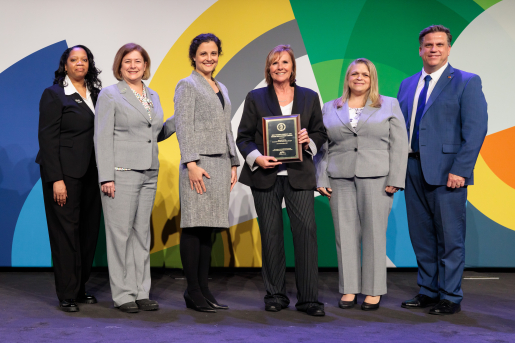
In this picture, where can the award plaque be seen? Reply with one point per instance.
(281, 139)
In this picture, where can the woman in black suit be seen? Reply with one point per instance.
(69, 174)
(272, 181)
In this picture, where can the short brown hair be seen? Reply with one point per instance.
(272, 56)
(435, 28)
(124, 50)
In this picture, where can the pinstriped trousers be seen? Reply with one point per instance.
(300, 205)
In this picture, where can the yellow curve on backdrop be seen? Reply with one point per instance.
(237, 23)
(491, 196)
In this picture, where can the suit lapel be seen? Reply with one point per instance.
(82, 104)
(343, 115)
(298, 101)
(444, 80)
(366, 114)
(152, 96)
(273, 103)
(127, 94)
(412, 88)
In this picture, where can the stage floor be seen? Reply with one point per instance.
(29, 313)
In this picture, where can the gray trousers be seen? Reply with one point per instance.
(127, 224)
(360, 209)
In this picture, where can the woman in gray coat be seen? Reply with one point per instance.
(208, 166)
(360, 168)
(128, 125)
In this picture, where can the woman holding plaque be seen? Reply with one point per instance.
(359, 169)
(272, 181)
(208, 166)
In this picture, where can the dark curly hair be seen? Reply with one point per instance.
(92, 81)
(203, 38)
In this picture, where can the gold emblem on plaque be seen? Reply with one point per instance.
(281, 127)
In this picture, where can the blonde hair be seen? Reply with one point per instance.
(373, 92)
(124, 50)
(274, 55)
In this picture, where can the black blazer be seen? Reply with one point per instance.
(263, 102)
(66, 127)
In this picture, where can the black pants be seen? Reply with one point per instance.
(73, 231)
(300, 205)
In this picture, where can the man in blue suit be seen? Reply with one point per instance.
(446, 116)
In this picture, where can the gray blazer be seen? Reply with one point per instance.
(125, 137)
(203, 126)
(377, 147)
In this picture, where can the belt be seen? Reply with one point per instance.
(414, 155)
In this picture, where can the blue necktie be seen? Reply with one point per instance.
(420, 109)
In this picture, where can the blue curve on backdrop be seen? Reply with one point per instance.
(22, 85)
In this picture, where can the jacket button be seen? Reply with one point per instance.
(149, 125)
(149, 141)
(355, 149)
(355, 135)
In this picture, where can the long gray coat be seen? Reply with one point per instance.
(378, 146)
(205, 135)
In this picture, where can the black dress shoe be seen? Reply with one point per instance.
(216, 305)
(371, 307)
(420, 301)
(348, 304)
(68, 305)
(316, 310)
(191, 304)
(147, 305)
(130, 307)
(445, 307)
(274, 307)
(86, 299)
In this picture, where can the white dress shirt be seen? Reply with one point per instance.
(432, 83)
(251, 158)
(70, 89)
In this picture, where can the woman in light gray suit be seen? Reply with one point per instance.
(208, 166)
(359, 169)
(128, 125)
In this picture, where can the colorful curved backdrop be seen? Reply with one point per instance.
(326, 36)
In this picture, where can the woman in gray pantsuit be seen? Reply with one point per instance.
(359, 169)
(208, 166)
(128, 125)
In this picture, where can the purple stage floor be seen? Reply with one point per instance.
(29, 313)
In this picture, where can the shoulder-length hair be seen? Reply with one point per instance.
(92, 81)
(373, 92)
(273, 55)
(124, 50)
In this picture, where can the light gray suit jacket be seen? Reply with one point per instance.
(125, 137)
(203, 126)
(377, 147)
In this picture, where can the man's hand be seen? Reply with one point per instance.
(455, 181)
(325, 191)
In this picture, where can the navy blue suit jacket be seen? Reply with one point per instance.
(453, 125)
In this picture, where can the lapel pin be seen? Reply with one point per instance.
(449, 76)
(78, 101)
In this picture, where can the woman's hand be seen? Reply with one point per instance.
(325, 191)
(60, 193)
(108, 188)
(304, 139)
(391, 189)
(196, 177)
(267, 162)
(234, 176)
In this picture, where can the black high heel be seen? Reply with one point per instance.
(348, 304)
(216, 305)
(191, 304)
(371, 307)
